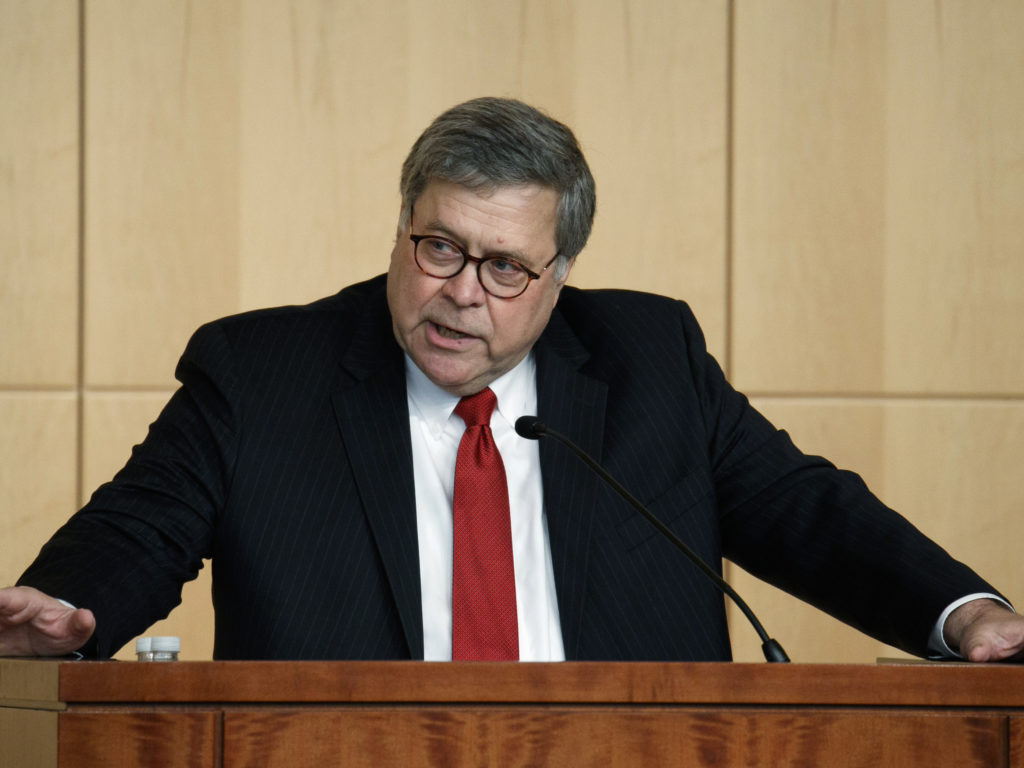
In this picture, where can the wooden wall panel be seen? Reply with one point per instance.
(953, 468)
(323, 94)
(334, 95)
(113, 422)
(877, 193)
(38, 455)
(651, 102)
(259, 162)
(38, 193)
(954, 247)
(809, 208)
(950, 467)
(876, 186)
(161, 182)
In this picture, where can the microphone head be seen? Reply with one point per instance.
(530, 427)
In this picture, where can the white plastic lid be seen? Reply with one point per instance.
(166, 644)
(143, 644)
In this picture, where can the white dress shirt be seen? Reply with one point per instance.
(436, 432)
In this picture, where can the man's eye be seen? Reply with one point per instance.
(504, 266)
(442, 247)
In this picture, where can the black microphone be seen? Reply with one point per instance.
(533, 428)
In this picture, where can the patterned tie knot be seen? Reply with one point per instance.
(476, 409)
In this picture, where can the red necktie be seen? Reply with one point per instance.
(484, 623)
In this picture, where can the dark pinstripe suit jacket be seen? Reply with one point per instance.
(285, 457)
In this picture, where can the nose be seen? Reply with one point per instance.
(464, 288)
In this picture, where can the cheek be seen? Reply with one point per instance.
(519, 327)
(407, 296)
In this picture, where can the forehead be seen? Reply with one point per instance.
(522, 213)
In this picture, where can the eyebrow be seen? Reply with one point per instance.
(438, 226)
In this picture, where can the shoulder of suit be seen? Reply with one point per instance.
(616, 305)
(322, 329)
(351, 301)
(615, 328)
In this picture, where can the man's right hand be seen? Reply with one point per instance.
(35, 624)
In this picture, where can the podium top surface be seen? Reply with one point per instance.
(53, 682)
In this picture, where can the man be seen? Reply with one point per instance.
(315, 454)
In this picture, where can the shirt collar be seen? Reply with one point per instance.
(515, 390)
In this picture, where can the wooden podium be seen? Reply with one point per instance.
(240, 714)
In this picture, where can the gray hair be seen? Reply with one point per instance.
(488, 143)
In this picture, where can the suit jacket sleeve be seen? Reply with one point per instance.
(126, 554)
(817, 531)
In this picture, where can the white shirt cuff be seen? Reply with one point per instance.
(937, 647)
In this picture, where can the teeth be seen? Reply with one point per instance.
(448, 333)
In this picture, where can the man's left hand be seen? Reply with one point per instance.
(984, 630)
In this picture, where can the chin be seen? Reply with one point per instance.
(458, 387)
(450, 381)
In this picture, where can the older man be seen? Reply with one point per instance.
(352, 469)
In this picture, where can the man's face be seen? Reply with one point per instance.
(459, 335)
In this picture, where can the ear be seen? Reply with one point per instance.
(403, 221)
(565, 276)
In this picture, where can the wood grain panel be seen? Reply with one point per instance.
(649, 103)
(324, 95)
(921, 685)
(954, 285)
(38, 193)
(31, 685)
(809, 112)
(132, 739)
(28, 738)
(877, 189)
(473, 736)
(258, 163)
(1016, 728)
(112, 423)
(162, 131)
(948, 466)
(320, 177)
(37, 474)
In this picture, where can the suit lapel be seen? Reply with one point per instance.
(573, 403)
(373, 416)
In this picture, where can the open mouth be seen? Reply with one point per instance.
(450, 333)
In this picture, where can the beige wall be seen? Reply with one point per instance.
(836, 188)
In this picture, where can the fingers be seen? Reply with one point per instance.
(68, 633)
(35, 624)
(81, 625)
(19, 604)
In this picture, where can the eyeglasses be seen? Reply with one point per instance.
(500, 276)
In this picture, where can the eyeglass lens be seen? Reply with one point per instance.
(499, 276)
